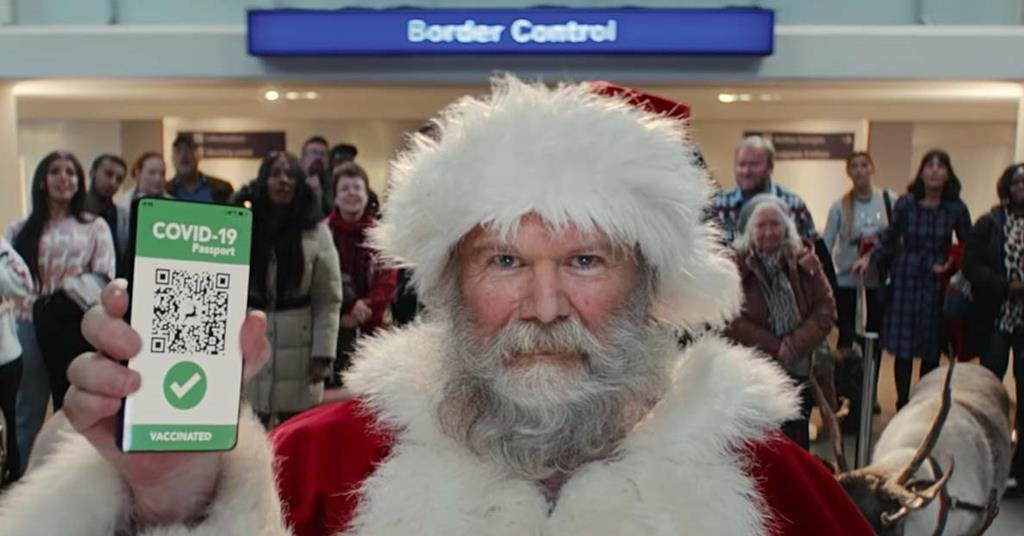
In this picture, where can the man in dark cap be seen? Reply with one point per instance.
(190, 183)
(341, 153)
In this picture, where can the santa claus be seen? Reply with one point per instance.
(557, 241)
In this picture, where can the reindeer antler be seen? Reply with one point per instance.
(911, 500)
(831, 420)
(928, 443)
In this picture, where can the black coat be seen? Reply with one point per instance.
(984, 265)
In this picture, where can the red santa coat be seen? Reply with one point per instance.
(706, 460)
(341, 466)
(319, 482)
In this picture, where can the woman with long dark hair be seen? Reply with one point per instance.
(994, 264)
(916, 248)
(60, 243)
(294, 277)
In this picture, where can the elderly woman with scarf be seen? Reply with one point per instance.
(788, 308)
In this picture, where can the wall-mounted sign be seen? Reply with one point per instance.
(809, 146)
(237, 144)
(289, 32)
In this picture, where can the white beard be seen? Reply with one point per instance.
(542, 419)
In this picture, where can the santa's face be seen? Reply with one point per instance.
(554, 355)
(544, 277)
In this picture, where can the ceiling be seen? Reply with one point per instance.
(740, 101)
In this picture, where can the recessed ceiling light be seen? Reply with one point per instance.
(271, 95)
(745, 97)
(726, 97)
(291, 95)
(311, 95)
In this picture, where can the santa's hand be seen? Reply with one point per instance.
(167, 487)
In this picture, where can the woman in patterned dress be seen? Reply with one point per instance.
(915, 246)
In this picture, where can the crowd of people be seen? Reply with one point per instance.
(311, 271)
(521, 276)
(898, 248)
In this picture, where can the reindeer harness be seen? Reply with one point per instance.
(948, 502)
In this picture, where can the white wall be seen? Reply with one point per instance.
(377, 141)
(891, 144)
(11, 189)
(818, 182)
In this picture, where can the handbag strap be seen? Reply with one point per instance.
(888, 206)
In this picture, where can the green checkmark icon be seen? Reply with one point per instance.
(185, 385)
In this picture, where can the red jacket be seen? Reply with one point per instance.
(324, 455)
(372, 282)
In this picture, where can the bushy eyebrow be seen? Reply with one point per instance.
(493, 246)
(490, 246)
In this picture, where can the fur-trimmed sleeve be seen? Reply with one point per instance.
(78, 492)
(802, 497)
(323, 456)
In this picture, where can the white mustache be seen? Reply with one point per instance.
(525, 338)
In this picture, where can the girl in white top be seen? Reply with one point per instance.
(58, 241)
(855, 221)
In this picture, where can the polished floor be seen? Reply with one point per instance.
(1010, 521)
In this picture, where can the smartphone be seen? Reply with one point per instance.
(188, 282)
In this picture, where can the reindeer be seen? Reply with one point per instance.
(959, 419)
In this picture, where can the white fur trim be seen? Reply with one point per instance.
(75, 488)
(78, 492)
(572, 157)
(679, 472)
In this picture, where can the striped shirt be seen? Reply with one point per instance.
(726, 205)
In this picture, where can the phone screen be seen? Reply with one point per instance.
(188, 286)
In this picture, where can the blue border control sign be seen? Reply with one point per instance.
(294, 32)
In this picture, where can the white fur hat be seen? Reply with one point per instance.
(572, 157)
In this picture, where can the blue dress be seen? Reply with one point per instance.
(917, 239)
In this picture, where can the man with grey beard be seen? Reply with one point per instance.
(544, 424)
(556, 241)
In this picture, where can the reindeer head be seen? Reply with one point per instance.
(884, 502)
(885, 499)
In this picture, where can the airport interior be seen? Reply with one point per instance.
(893, 78)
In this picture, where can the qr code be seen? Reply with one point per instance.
(190, 311)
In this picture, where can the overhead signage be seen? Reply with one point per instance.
(293, 32)
(809, 146)
(237, 144)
